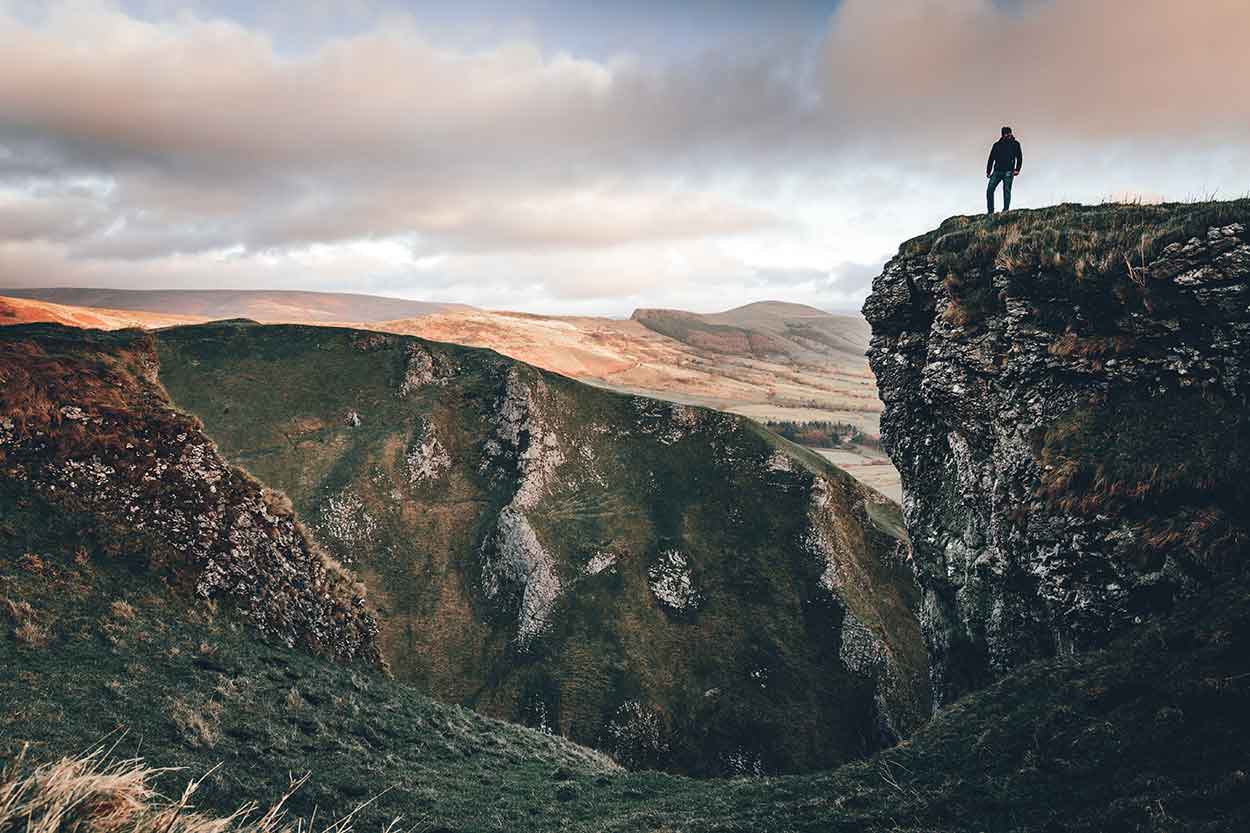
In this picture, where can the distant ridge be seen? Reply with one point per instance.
(764, 330)
(260, 305)
(29, 311)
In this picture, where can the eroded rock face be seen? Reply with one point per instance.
(673, 583)
(423, 369)
(1068, 412)
(149, 470)
(513, 558)
(427, 458)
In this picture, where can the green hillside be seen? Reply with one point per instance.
(676, 586)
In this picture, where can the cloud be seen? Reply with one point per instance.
(1072, 70)
(194, 150)
(375, 134)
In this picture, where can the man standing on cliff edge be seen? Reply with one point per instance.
(1002, 166)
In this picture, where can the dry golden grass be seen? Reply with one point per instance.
(27, 629)
(1093, 347)
(122, 610)
(93, 794)
(200, 723)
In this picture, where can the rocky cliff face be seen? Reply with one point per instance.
(1066, 398)
(85, 425)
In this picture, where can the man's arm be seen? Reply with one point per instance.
(989, 163)
(1019, 157)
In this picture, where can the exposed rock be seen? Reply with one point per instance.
(514, 558)
(742, 763)
(830, 539)
(672, 582)
(637, 735)
(827, 537)
(427, 458)
(1066, 397)
(369, 342)
(345, 519)
(780, 462)
(514, 561)
(599, 562)
(860, 650)
(423, 368)
(670, 422)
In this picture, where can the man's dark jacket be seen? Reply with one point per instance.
(1004, 156)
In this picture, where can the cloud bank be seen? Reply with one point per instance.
(192, 150)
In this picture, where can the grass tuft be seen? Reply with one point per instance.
(93, 794)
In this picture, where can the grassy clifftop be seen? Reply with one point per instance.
(1083, 269)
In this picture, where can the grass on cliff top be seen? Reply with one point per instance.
(1149, 735)
(1083, 241)
(1171, 466)
(1092, 257)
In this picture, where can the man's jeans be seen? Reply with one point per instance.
(1005, 178)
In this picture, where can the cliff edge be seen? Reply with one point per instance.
(1066, 398)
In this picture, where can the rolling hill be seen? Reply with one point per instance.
(28, 311)
(259, 305)
(767, 329)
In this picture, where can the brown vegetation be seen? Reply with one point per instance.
(198, 722)
(27, 629)
(91, 794)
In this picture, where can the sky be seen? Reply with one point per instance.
(562, 156)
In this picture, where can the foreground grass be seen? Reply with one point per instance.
(94, 792)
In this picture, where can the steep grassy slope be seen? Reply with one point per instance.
(84, 423)
(677, 586)
(97, 647)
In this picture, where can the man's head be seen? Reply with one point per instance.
(1006, 132)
